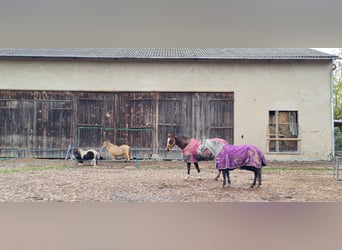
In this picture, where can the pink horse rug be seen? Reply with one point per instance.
(190, 153)
(241, 155)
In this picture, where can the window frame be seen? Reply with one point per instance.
(276, 137)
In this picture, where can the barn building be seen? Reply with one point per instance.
(277, 99)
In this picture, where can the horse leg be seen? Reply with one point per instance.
(188, 165)
(94, 160)
(255, 171)
(255, 177)
(218, 175)
(259, 177)
(228, 177)
(219, 172)
(127, 157)
(198, 170)
(224, 175)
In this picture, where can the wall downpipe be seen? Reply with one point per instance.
(332, 109)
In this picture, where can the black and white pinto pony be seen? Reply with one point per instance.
(86, 155)
(229, 157)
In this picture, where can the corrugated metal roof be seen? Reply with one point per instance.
(169, 53)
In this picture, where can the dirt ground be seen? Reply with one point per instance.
(37, 180)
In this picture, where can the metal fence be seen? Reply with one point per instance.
(139, 139)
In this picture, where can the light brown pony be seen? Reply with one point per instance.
(116, 150)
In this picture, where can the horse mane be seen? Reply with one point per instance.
(217, 146)
(179, 136)
(183, 137)
(110, 144)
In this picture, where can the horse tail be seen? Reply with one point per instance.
(263, 160)
(129, 152)
(262, 157)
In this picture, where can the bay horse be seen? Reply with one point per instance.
(189, 147)
(230, 157)
(116, 150)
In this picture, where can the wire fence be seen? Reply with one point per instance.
(141, 140)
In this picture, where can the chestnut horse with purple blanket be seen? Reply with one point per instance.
(230, 157)
(190, 152)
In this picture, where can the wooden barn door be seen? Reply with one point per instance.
(142, 123)
(35, 124)
(219, 112)
(9, 132)
(171, 112)
(44, 123)
(90, 114)
(134, 122)
(194, 115)
(48, 127)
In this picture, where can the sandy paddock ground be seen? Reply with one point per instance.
(43, 180)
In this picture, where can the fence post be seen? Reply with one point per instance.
(136, 156)
(67, 153)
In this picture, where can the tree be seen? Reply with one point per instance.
(337, 77)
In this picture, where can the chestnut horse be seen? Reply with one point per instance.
(190, 153)
(115, 150)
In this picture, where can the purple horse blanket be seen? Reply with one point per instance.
(190, 153)
(240, 155)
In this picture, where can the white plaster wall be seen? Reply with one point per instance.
(258, 87)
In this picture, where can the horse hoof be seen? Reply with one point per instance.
(187, 177)
(216, 179)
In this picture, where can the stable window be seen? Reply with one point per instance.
(283, 135)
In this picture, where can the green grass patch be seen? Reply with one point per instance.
(30, 169)
(292, 169)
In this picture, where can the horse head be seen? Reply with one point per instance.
(171, 141)
(77, 152)
(203, 146)
(104, 144)
(213, 146)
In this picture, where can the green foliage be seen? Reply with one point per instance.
(337, 77)
(337, 100)
(30, 169)
(337, 91)
(338, 141)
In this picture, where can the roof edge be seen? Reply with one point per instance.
(166, 53)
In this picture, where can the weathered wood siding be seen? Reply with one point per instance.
(43, 124)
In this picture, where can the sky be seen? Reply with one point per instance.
(169, 24)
